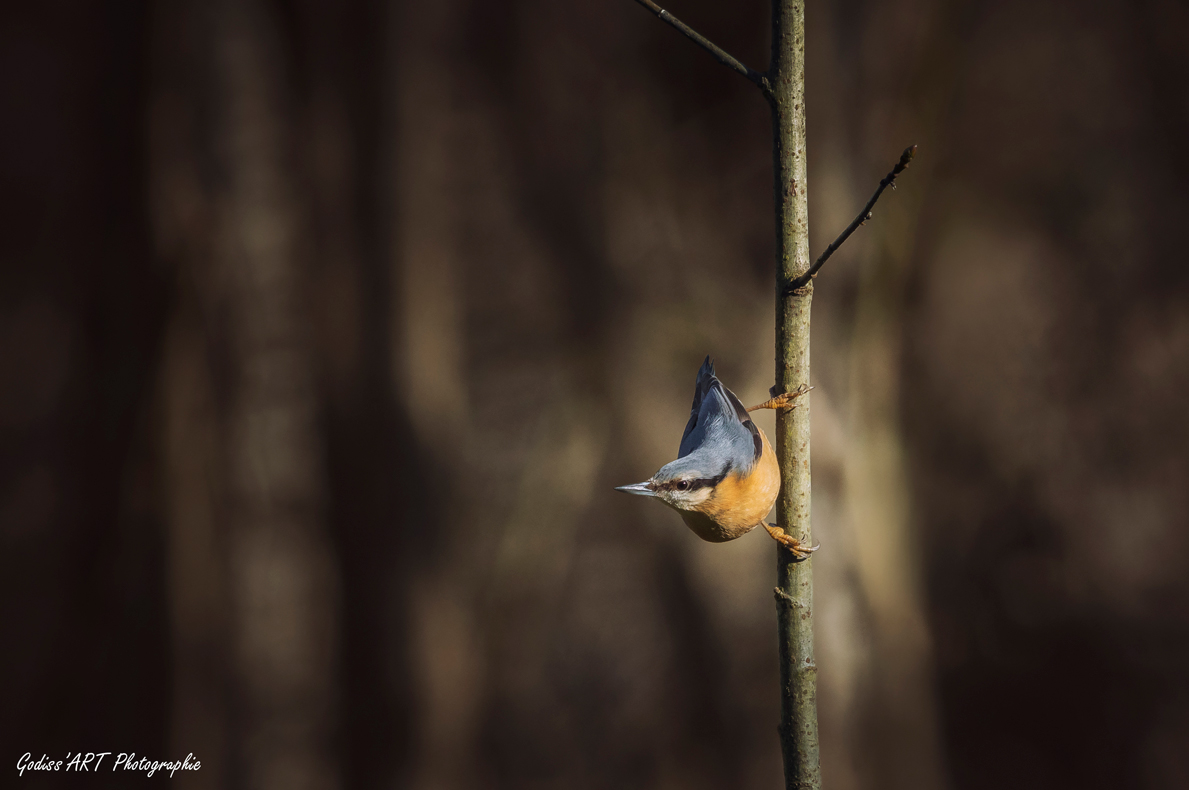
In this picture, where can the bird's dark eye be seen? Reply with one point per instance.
(682, 485)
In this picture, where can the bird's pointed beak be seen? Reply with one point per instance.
(640, 489)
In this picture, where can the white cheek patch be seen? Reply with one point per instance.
(688, 500)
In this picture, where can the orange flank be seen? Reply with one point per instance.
(739, 502)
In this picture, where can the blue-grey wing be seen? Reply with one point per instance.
(719, 423)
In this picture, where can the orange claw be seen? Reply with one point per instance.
(789, 542)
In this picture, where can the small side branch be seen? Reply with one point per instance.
(723, 57)
(888, 181)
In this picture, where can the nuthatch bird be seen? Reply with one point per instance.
(725, 478)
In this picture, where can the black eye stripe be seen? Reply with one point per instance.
(694, 485)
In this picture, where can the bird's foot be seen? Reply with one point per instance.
(795, 546)
(783, 401)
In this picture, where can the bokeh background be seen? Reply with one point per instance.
(326, 329)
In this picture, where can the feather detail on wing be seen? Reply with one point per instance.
(718, 419)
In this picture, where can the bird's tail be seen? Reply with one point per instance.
(723, 403)
(706, 380)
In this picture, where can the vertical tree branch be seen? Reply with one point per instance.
(784, 88)
(794, 593)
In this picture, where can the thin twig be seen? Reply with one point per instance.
(864, 215)
(721, 55)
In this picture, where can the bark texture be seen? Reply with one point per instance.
(794, 594)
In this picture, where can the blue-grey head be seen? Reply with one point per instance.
(719, 439)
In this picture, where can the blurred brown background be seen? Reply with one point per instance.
(327, 328)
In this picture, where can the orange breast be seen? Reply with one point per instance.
(739, 502)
